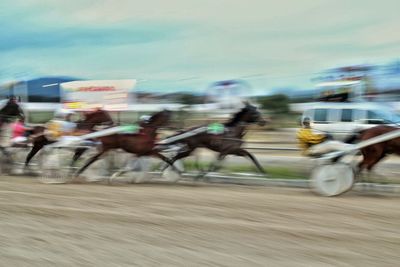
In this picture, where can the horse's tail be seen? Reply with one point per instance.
(355, 136)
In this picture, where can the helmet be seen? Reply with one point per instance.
(145, 118)
(306, 121)
(63, 113)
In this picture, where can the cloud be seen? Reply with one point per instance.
(283, 42)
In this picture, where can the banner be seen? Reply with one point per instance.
(105, 94)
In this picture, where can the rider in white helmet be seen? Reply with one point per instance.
(61, 124)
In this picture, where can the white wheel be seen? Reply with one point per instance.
(170, 174)
(55, 167)
(332, 180)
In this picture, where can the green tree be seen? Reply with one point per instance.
(278, 103)
(190, 99)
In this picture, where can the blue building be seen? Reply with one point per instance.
(40, 90)
(39, 97)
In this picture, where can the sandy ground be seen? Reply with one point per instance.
(192, 225)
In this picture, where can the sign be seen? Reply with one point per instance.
(106, 94)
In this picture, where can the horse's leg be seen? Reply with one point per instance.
(121, 172)
(35, 149)
(171, 161)
(245, 153)
(215, 166)
(90, 162)
(128, 167)
(371, 156)
(78, 153)
(178, 156)
(371, 165)
(38, 144)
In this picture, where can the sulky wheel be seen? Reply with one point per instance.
(332, 180)
(55, 166)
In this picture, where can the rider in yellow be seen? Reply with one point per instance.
(307, 137)
(60, 125)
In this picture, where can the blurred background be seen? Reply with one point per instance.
(209, 55)
(334, 61)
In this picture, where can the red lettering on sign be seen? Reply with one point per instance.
(96, 89)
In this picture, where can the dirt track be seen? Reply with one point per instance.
(192, 225)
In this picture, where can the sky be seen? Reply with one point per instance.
(187, 44)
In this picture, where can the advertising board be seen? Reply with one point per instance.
(113, 95)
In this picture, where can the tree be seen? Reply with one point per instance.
(278, 103)
(190, 99)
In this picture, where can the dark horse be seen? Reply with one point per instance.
(140, 144)
(374, 153)
(227, 142)
(91, 120)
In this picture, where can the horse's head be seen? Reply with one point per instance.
(94, 118)
(159, 119)
(251, 114)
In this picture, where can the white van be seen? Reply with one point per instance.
(341, 119)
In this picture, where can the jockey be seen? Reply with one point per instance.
(7, 115)
(61, 125)
(307, 137)
(18, 131)
(11, 110)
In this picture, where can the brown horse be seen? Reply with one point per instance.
(227, 142)
(92, 119)
(140, 144)
(374, 153)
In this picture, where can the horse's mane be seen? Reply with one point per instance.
(155, 116)
(236, 118)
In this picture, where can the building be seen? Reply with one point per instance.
(40, 90)
(42, 96)
(39, 97)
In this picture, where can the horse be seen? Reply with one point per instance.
(227, 142)
(92, 119)
(374, 153)
(141, 143)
